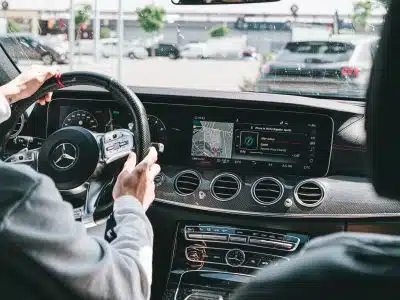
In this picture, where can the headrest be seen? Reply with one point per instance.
(383, 110)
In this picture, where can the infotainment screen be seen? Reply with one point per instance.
(282, 141)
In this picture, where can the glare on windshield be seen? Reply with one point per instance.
(303, 47)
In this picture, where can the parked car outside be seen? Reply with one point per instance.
(195, 50)
(166, 50)
(341, 64)
(22, 46)
(109, 48)
(250, 53)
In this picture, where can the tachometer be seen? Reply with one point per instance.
(81, 118)
(158, 131)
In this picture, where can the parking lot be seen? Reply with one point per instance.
(227, 75)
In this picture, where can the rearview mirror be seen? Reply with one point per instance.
(205, 2)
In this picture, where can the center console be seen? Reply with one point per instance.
(210, 261)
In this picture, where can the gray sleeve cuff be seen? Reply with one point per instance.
(128, 202)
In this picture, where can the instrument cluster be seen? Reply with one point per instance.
(102, 117)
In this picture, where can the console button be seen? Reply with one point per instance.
(215, 237)
(215, 258)
(238, 239)
(264, 263)
(268, 243)
(196, 236)
(253, 260)
(215, 255)
(192, 229)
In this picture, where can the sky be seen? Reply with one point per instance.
(283, 6)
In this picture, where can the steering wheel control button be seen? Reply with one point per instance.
(235, 257)
(117, 144)
(64, 156)
(69, 156)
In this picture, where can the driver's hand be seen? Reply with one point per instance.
(138, 181)
(27, 83)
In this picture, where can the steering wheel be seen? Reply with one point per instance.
(76, 158)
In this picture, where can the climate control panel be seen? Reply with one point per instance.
(239, 236)
(205, 252)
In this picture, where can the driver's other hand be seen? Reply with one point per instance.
(138, 181)
(27, 83)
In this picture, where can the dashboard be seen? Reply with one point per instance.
(291, 157)
(211, 137)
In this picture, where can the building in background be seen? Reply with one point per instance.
(182, 24)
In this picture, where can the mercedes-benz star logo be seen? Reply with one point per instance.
(64, 156)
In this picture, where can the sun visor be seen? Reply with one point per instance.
(383, 110)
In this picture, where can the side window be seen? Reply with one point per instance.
(365, 54)
(374, 49)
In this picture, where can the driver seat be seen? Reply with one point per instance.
(353, 265)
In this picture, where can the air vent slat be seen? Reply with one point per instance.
(187, 182)
(267, 190)
(309, 193)
(310, 188)
(225, 187)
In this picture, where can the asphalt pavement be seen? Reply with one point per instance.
(226, 75)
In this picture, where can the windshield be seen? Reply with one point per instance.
(321, 48)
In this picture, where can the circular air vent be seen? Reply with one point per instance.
(267, 190)
(187, 182)
(225, 186)
(309, 193)
(18, 127)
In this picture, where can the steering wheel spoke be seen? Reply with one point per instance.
(97, 189)
(26, 157)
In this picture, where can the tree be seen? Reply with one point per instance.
(219, 31)
(151, 18)
(361, 12)
(105, 33)
(82, 16)
(13, 26)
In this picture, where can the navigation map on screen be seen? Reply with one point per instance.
(212, 139)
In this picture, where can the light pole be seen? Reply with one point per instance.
(120, 39)
(71, 34)
(96, 30)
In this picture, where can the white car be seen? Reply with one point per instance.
(109, 48)
(195, 50)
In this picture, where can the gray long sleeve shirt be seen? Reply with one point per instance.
(34, 216)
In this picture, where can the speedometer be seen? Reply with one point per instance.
(81, 118)
(158, 131)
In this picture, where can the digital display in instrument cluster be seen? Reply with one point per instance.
(300, 144)
(97, 119)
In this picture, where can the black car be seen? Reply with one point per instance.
(22, 46)
(162, 49)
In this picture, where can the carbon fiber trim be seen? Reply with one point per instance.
(344, 197)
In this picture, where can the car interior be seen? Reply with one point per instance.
(247, 179)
